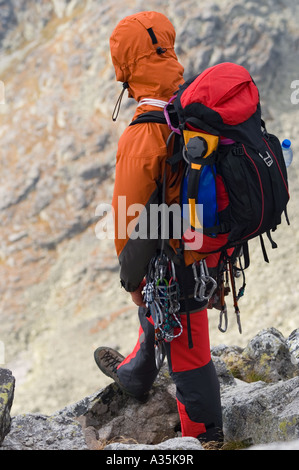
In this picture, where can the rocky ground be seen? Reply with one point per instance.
(60, 295)
(259, 388)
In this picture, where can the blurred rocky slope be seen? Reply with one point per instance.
(60, 295)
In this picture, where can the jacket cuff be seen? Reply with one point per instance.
(128, 286)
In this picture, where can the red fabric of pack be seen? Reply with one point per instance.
(226, 88)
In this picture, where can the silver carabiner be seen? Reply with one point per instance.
(202, 282)
(208, 279)
(198, 283)
(159, 356)
(223, 313)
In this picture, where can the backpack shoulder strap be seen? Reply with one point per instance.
(159, 118)
(151, 116)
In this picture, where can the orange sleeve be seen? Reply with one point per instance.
(140, 164)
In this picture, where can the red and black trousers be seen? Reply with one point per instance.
(191, 369)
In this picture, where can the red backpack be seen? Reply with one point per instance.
(233, 168)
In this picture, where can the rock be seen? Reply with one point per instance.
(91, 423)
(268, 357)
(7, 17)
(14, 237)
(39, 432)
(293, 345)
(261, 413)
(225, 376)
(20, 190)
(291, 445)
(232, 357)
(113, 415)
(180, 443)
(7, 386)
(254, 414)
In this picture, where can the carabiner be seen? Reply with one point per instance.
(223, 313)
(159, 356)
(162, 280)
(237, 312)
(202, 282)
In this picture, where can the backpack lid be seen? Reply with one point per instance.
(227, 89)
(223, 100)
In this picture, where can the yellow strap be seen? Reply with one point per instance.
(196, 166)
(194, 221)
(212, 140)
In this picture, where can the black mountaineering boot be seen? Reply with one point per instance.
(107, 359)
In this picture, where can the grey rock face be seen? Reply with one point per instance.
(268, 357)
(7, 385)
(38, 432)
(8, 19)
(259, 412)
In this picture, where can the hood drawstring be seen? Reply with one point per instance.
(118, 103)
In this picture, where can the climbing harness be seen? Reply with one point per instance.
(161, 296)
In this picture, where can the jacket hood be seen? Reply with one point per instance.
(142, 52)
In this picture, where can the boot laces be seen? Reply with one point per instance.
(111, 361)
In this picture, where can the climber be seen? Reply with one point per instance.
(143, 55)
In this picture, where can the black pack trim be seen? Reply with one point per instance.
(152, 116)
(200, 124)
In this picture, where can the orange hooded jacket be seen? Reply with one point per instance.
(142, 51)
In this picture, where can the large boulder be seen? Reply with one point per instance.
(40, 432)
(7, 387)
(258, 412)
(268, 357)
